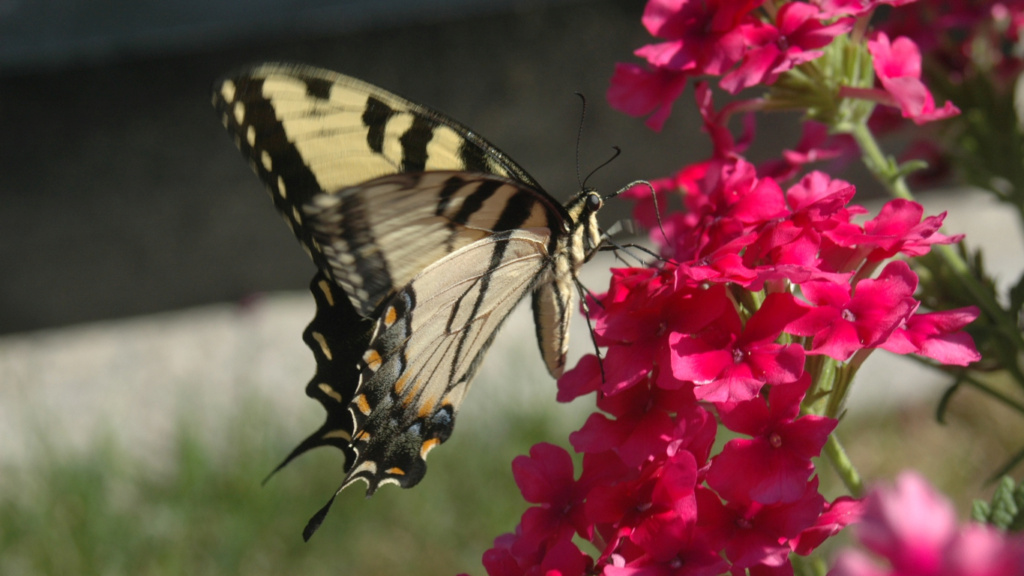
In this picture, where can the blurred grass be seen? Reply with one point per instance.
(200, 508)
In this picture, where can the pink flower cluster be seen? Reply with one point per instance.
(914, 529)
(770, 284)
(758, 277)
(747, 44)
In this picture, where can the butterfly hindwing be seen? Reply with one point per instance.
(337, 335)
(426, 348)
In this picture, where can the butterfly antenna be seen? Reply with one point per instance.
(579, 137)
(614, 155)
(584, 292)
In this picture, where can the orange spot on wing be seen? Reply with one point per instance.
(427, 446)
(399, 387)
(427, 409)
(362, 404)
(390, 316)
(372, 359)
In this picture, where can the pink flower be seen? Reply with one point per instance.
(914, 528)
(837, 515)
(796, 37)
(757, 535)
(686, 181)
(795, 248)
(730, 362)
(898, 66)
(642, 424)
(937, 335)
(773, 466)
(898, 229)
(704, 36)
(633, 319)
(842, 323)
(546, 478)
(639, 91)
(561, 559)
(655, 511)
(692, 559)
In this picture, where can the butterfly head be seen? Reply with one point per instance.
(586, 234)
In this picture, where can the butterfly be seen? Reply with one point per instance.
(425, 236)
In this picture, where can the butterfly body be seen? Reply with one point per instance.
(425, 236)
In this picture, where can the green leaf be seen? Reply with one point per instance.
(1004, 511)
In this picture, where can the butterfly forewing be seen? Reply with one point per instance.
(426, 236)
(310, 132)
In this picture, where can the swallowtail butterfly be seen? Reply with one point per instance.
(425, 235)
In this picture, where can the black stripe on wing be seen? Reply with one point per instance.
(262, 139)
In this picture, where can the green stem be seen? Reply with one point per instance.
(843, 466)
(882, 167)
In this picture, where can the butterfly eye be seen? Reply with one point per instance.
(594, 201)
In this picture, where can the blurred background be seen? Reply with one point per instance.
(152, 302)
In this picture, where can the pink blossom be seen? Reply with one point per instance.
(732, 202)
(898, 67)
(692, 559)
(546, 478)
(643, 422)
(757, 535)
(899, 228)
(655, 511)
(842, 323)
(640, 91)
(837, 515)
(937, 335)
(561, 559)
(914, 528)
(704, 36)
(730, 362)
(632, 319)
(773, 466)
(795, 39)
